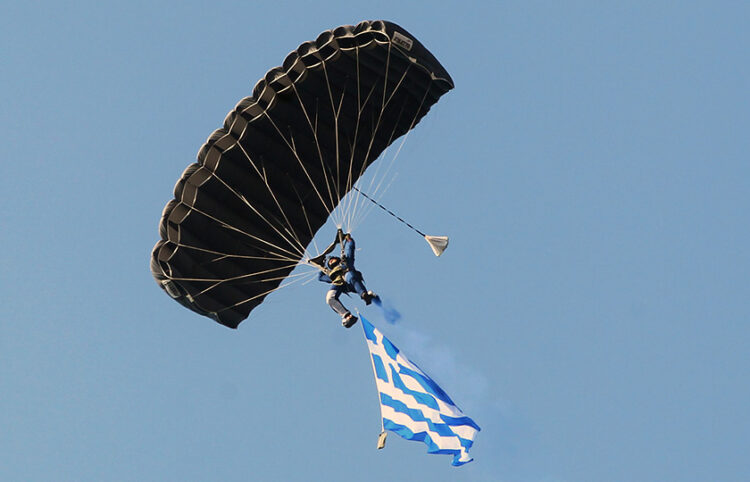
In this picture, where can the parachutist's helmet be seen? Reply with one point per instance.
(333, 261)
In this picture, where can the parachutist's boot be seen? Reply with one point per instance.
(349, 321)
(366, 297)
(369, 296)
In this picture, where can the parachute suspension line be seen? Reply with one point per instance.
(346, 204)
(245, 276)
(221, 255)
(297, 276)
(336, 112)
(260, 295)
(383, 103)
(401, 144)
(340, 213)
(389, 166)
(356, 215)
(314, 131)
(359, 215)
(298, 247)
(386, 99)
(309, 226)
(360, 108)
(226, 225)
(289, 228)
(390, 212)
(365, 208)
(264, 176)
(350, 182)
(324, 167)
(385, 81)
(292, 147)
(346, 207)
(218, 282)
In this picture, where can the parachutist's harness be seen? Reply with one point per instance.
(337, 276)
(342, 276)
(337, 273)
(323, 265)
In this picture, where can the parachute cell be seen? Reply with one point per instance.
(263, 184)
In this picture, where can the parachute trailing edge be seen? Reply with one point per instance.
(263, 184)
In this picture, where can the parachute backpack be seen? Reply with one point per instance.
(243, 215)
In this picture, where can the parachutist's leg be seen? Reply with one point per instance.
(354, 278)
(332, 298)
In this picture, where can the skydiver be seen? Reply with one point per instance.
(343, 277)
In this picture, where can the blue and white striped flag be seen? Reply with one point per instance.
(413, 405)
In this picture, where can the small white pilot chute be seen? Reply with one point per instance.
(437, 243)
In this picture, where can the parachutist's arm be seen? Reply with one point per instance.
(339, 238)
(321, 258)
(348, 248)
(323, 276)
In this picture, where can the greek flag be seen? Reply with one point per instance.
(413, 405)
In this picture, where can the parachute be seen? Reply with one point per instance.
(267, 181)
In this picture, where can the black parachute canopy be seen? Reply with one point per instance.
(265, 182)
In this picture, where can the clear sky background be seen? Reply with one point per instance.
(591, 313)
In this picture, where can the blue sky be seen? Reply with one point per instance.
(591, 314)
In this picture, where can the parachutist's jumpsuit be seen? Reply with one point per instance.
(344, 279)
